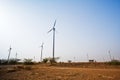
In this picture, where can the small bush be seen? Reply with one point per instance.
(3, 61)
(52, 61)
(45, 60)
(28, 61)
(12, 61)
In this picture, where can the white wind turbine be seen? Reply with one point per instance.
(53, 29)
(41, 51)
(9, 53)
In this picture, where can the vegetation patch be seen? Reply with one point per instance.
(28, 61)
(114, 62)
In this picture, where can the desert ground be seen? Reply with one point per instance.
(57, 72)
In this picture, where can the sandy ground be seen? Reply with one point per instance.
(37, 72)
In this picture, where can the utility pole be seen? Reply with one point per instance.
(9, 53)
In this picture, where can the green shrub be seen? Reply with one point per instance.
(45, 60)
(3, 61)
(12, 61)
(28, 61)
(50, 60)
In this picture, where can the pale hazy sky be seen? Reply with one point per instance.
(83, 27)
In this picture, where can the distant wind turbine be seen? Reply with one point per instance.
(110, 55)
(16, 56)
(9, 53)
(53, 29)
(41, 51)
(87, 57)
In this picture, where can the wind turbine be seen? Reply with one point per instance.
(9, 53)
(41, 51)
(87, 57)
(110, 55)
(16, 55)
(53, 29)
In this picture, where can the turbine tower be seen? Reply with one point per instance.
(53, 29)
(9, 53)
(41, 51)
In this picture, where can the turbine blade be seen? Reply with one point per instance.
(42, 43)
(54, 24)
(50, 30)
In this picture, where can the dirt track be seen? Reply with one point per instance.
(58, 73)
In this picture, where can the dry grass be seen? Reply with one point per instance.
(46, 72)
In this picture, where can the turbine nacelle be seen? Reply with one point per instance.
(42, 44)
(53, 27)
